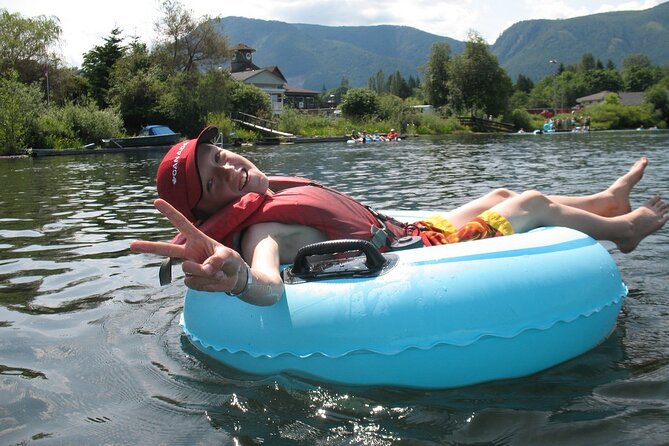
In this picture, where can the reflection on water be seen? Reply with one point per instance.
(91, 350)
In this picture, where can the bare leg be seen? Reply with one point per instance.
(608, 203)
(532, 209)
(612, 201)
(465, 213)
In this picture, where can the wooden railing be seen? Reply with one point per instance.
(262, 125)
(486, 125)
(254, 120)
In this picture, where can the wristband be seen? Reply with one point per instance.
(247, 285)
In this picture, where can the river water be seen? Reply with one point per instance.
(91, 351)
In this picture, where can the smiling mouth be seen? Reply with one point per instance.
(245, 179)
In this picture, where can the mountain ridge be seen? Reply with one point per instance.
(318, 56)
(526, 46)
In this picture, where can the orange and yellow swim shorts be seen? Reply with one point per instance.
(436, 230)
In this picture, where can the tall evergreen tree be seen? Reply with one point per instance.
(136, 87)
(98, 64)
(378, 83)
(524, 84)
(398, 86)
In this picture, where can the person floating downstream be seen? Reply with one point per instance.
(265, 226)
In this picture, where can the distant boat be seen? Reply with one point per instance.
(151, 135)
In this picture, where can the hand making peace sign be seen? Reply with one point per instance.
(208, 265)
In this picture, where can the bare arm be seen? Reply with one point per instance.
(211, 266)
(267, 246)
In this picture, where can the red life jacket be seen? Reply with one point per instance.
(295, 201)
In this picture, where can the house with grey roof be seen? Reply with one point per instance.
(270, 80)
(626, 97)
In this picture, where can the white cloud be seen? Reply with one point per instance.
(628, 6)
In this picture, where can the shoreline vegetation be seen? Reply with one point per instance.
(125, 84)
(98, 150)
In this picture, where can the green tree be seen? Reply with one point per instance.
(600, 79)
(588, 62)
(98, 63)
(519, 100)
(436, 72)
(66, 86)
(639, 73)
(136, 85)
(339, 92)
(179, 107)
(571, 84)
(27, 45)
(476, 81)
(378, 83)
(213, 91)
(360, 103)
(414, 84)
(658, 98)
(398, 86)
(524, 84)
(186, 43)
(249, 99)
(20, 105)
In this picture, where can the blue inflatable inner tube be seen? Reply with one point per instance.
(500, 308)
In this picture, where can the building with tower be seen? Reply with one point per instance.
(270, 80)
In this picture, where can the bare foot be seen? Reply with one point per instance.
(644, 221)
(619, 191)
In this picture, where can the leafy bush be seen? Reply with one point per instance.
(433, 124)
(360, 103)
(90, 124)
(250, 99)
(658, 98)
(397, 112)
(224, 124)
(19, 107)
(524, 120)
(292, 121)
(75, 125)
(52, 132)
(300, 123)
(612, 114)
(229, 132)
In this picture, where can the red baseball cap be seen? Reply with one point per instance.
(178, 178)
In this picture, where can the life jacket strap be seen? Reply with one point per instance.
(383, 237)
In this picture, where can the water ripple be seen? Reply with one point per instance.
(92, 350)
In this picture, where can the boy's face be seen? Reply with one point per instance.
(225, 176)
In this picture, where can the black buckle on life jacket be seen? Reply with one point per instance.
(384, 237)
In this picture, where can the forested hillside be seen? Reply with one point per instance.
(317, 56)
(526, 47)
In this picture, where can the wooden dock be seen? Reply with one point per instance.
(264, 126)
(486, 125)
(95, 151)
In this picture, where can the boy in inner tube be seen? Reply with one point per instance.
(197, 178)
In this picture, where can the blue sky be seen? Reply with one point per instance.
(86, 23)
